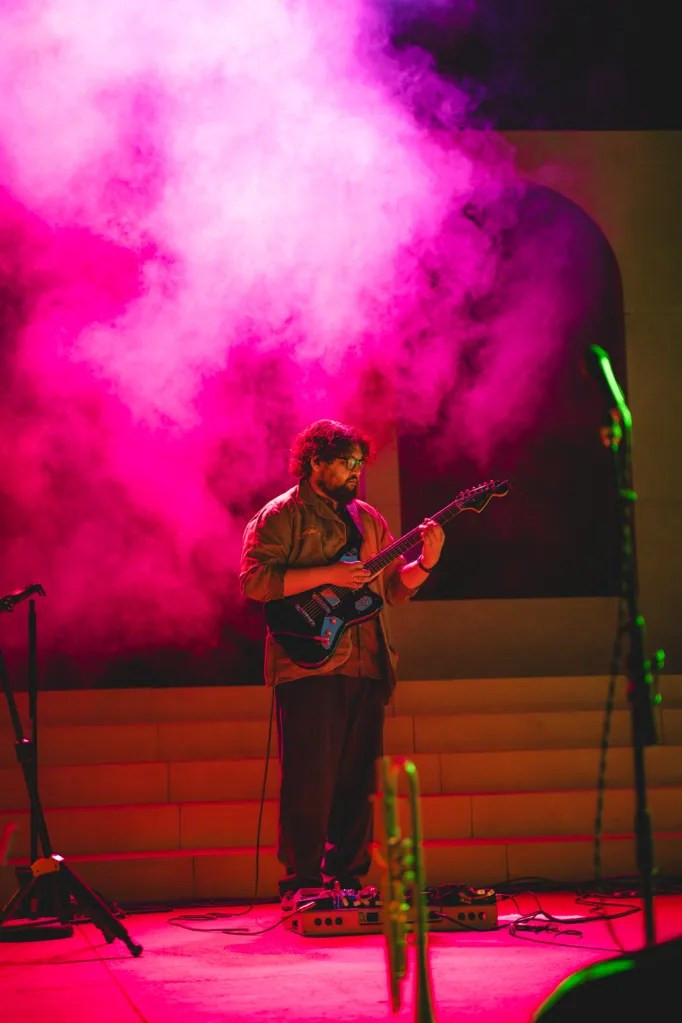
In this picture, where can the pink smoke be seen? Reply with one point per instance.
(219, 222)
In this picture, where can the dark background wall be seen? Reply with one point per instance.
(603, 65)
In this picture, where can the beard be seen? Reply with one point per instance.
(343, 493)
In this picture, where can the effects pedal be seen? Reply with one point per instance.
(319, 912)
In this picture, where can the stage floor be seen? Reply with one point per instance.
(225, 962)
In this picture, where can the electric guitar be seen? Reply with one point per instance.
(309, 625)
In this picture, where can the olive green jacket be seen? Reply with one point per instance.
(299, 529)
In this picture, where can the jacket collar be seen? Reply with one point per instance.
(322, 507)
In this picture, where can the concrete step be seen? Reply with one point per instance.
(225, 824)
(244, 778)
(155, 876)
(148, 705)
(510, 695)
(214, 739)
(146, 742)
(412, 697)
(154, 794)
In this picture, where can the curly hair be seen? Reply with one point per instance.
(326, 439)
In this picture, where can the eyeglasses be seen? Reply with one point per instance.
(352, 462)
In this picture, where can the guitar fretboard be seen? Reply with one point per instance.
(476, 498)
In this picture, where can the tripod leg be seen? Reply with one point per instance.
(20, 894)
(30, 931)
(93, 907)
(49, 894)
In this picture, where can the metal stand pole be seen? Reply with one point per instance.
(49, 881)
(641, 677)
(638, 671)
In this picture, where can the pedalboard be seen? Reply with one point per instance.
(316, 913)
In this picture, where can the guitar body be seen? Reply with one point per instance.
(309, 625)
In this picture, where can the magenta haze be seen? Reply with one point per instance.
(220, 221)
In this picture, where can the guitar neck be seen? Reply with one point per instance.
(381, 561)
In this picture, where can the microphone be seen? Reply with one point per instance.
(598, 366)
(7, 603)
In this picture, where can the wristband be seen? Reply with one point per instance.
(420, 562)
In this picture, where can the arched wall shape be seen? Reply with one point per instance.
(556, 534)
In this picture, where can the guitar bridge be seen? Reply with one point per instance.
(302, 611)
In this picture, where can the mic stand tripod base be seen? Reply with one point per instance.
(64, 891)
(35, 931)
(49, 875)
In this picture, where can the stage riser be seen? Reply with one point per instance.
(215, 874)
(174, 826)
(244, 703)
(214, 740)
(153, 794)
(191, 781)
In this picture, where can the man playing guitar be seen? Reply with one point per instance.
(328, 649)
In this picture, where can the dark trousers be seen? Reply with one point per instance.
(330, 730)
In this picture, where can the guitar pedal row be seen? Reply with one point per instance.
(328, 912)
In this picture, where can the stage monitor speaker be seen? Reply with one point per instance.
(642, 987)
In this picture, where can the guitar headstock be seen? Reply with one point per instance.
(476, 498)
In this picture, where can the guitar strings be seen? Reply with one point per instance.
(384, 558)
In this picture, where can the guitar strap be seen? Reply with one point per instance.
(351, 519)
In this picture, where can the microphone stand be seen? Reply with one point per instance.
(642, 681)
(48, 880)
